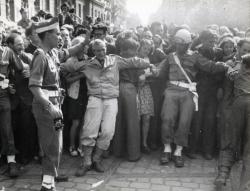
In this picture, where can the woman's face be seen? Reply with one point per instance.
(145, 50)
(244, 49)
(228, 48)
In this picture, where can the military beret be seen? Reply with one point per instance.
(47, 25)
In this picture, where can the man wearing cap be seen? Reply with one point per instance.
(24, 22)
(44, 83)
(99, 31)
(64, 17)
(181, 98)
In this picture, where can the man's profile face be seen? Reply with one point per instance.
(53, 38)
(100, 51)
(18, 46)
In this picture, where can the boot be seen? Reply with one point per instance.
(97, 159)
(13, 170)
(222, 177)
(87, 162)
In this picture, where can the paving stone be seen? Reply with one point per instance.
(118, 183)
(128, 189)
(156, 180)
(143, 180)
(172, 183)
(66, 184)
(139, 185)
(181, 189)
(190, 185)
(156, 187)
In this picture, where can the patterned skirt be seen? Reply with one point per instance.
(145, 101)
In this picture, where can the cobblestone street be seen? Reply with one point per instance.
(144, 175)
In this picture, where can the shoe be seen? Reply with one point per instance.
(61, 178)
(87, 161)
(153, 146)
(73, 152)
(191, 155)
(80, 152)
(105, 154)
(82, 170)
(179, 161)
(221, 179)
(97, 160)
(145, 150)
(47, 189)
(13, 170)
(98, 167)
(165, 158)
(208, 156)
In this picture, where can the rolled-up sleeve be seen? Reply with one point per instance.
(37, 70)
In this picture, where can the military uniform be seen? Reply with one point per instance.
(45, 74)
(237, 130)
(178, 101)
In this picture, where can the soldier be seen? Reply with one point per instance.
(180, 95)
(7, 139)
(235, 95)
(44, 83)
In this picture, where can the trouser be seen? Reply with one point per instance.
(177, 111)
(239, 123)
(204, 129)
(26, 131)
(157, 88)
(127, 131)
(6, 132)
(100, 113)
(49, 138)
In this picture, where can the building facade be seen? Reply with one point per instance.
(10, 9)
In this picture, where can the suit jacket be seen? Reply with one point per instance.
(68, 20)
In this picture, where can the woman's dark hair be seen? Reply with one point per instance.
(246, 60)
(243, 41)
(72, 10)
(11, 38)
(35, 19)
(80, 30)
(48, 16)
(126, 40)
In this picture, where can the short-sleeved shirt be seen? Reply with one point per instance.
(44, 70)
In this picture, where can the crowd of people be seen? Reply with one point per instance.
(123, 93)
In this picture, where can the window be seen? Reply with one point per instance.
(47, 7)
(79, 10)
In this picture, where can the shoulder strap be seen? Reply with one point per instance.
(177, 61)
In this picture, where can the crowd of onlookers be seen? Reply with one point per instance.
(138, 124)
